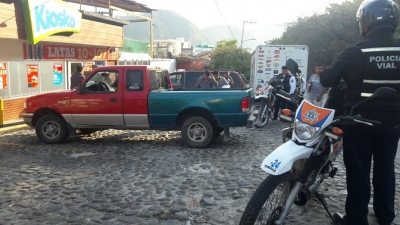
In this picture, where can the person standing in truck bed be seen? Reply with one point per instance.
(206, 81)
(220, 80)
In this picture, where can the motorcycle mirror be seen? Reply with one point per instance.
(384, 92)
(292, 66)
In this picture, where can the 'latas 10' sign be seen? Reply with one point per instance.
(46, 17)
(74, 52)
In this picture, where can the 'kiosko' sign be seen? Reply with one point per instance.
(46, 17)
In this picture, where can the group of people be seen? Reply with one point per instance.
(363, 68)
(313, 89)
(214, 80)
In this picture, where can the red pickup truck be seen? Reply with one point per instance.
(136, 98)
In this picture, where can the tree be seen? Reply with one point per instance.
(325, 34)
(228, 56)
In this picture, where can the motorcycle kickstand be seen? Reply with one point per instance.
(321, 199)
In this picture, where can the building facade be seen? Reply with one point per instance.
(43, 41)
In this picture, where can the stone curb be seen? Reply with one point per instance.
(10, 128)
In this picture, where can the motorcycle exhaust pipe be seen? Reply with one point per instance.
(302, 198)
(307, 194)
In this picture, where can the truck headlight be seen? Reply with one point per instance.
(305, 131)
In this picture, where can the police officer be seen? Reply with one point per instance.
(289, 83)
(372, 63)
(289, 86)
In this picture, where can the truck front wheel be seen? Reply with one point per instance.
(197, 132)
(51, 129)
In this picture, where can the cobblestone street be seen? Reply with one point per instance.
(146, 177)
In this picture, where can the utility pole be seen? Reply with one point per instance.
(151, 36)
(241, 41)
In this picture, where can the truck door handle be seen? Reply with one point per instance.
(113, 99)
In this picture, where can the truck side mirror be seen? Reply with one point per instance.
(81, 89)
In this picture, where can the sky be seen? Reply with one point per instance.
(270, 16)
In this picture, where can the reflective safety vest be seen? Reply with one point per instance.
(381, 69)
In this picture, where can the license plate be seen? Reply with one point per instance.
(285, 117)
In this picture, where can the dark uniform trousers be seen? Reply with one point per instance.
(361, 143)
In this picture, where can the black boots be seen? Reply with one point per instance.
(339, 219)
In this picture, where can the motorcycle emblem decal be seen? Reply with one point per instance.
(311, 115)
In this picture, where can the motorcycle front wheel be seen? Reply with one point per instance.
(267, 202)
(261, 120)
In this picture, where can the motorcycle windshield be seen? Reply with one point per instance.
(313, 115)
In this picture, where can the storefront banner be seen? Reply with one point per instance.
(47, 17)
(3, 75)
(33, 75)
(58, 74)
(74, 52)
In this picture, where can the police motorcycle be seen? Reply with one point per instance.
(298, 167)
(263, 107)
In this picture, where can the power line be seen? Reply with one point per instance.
(229, 28)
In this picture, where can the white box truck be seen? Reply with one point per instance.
(267, 61)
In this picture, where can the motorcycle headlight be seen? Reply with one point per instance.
(305, 131)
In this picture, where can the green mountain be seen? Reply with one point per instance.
(170, 25)
(167, 25)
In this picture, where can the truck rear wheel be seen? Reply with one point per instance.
(51, 129)
(197, 132)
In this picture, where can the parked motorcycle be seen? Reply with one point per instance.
(298, 167)
(263, 107)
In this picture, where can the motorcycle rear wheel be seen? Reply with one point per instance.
(261, 122)
(265, 206)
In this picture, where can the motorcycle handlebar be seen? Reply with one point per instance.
(359, 119)
(283, 93)
(286, 98)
